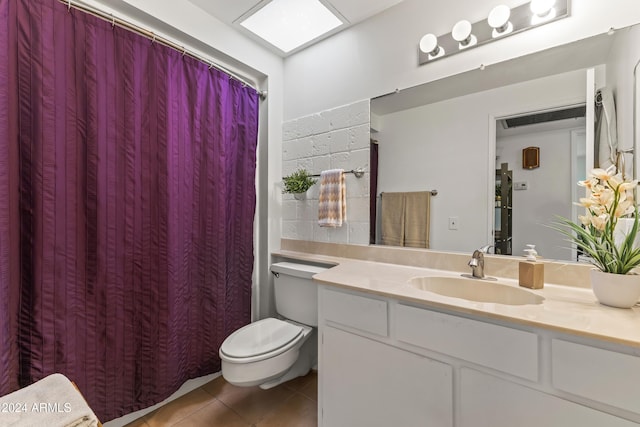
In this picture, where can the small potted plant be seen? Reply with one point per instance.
(298, 183)
(613, 252)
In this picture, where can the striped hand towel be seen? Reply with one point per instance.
(332, 204)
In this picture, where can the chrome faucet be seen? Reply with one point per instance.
(477, 262)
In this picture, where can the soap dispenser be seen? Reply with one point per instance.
(531, 272)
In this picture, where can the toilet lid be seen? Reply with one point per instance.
(260, 337)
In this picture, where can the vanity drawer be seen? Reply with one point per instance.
(363, 313)
(505, 349)
(602, 375)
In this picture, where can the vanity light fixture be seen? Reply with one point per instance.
(429, 45)
(462, 34)
(499, 21)
(502, 21)
(542, 10)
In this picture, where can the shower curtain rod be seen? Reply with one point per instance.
(158, 39)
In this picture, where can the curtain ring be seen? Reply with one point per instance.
(210, 65)
(184, 51)
(113, 21)
(153, 40)
(69, 5)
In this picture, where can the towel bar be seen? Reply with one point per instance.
(433, 193)
(359, 173)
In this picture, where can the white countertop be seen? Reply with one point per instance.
(565, 309)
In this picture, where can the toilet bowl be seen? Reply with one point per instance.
(272, 350)
(262, 351)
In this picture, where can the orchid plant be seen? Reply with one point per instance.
(610, 198)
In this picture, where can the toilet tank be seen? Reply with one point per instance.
(296, 295)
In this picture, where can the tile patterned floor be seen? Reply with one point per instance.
(218, 403)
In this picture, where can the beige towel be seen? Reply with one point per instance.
(416, 223)
(405, 219)
(53, 402)
(392, 219)
(332, 203)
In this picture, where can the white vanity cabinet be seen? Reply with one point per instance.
(360, 380)
(489, 401)
(383, 362)
(362, 385)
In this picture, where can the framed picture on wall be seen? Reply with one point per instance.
(530, 157)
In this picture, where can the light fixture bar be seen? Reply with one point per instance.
(520, 20)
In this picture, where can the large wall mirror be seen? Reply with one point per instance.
(462, 134)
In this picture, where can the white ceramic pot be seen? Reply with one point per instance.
(300, 196)
(616, 290)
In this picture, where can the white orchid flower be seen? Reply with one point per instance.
(628, 185)
(603, 175)
(610, 198)
(599, 222)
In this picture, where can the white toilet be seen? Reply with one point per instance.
(271, 351)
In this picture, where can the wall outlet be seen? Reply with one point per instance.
(453, 223)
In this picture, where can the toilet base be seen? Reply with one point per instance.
(307, 359)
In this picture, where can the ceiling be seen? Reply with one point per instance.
(354, 11)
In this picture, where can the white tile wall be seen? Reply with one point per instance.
(332, 139)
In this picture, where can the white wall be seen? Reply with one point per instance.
(379, 55)
(333, 139)
(448, 146)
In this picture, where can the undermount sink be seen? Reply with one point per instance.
(475, 290)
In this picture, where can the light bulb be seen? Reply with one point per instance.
(429, 45)
(499, 20)
(542, 10)
(462, 34)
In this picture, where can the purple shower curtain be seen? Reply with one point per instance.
(136, 190)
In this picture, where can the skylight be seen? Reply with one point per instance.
(288, 24)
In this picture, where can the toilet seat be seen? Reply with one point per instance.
(261, 340)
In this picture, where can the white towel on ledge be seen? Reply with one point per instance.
(52, 402)
(332, 203)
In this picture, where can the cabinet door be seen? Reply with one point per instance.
(597, 374)
(366, 383)
(487, 401)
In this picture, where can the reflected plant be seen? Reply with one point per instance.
(298, 182)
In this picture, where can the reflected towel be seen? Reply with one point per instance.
(416, 222)
(332, 203)
(606, 135)
(392, 218)
(53, 401)
(405, 219)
